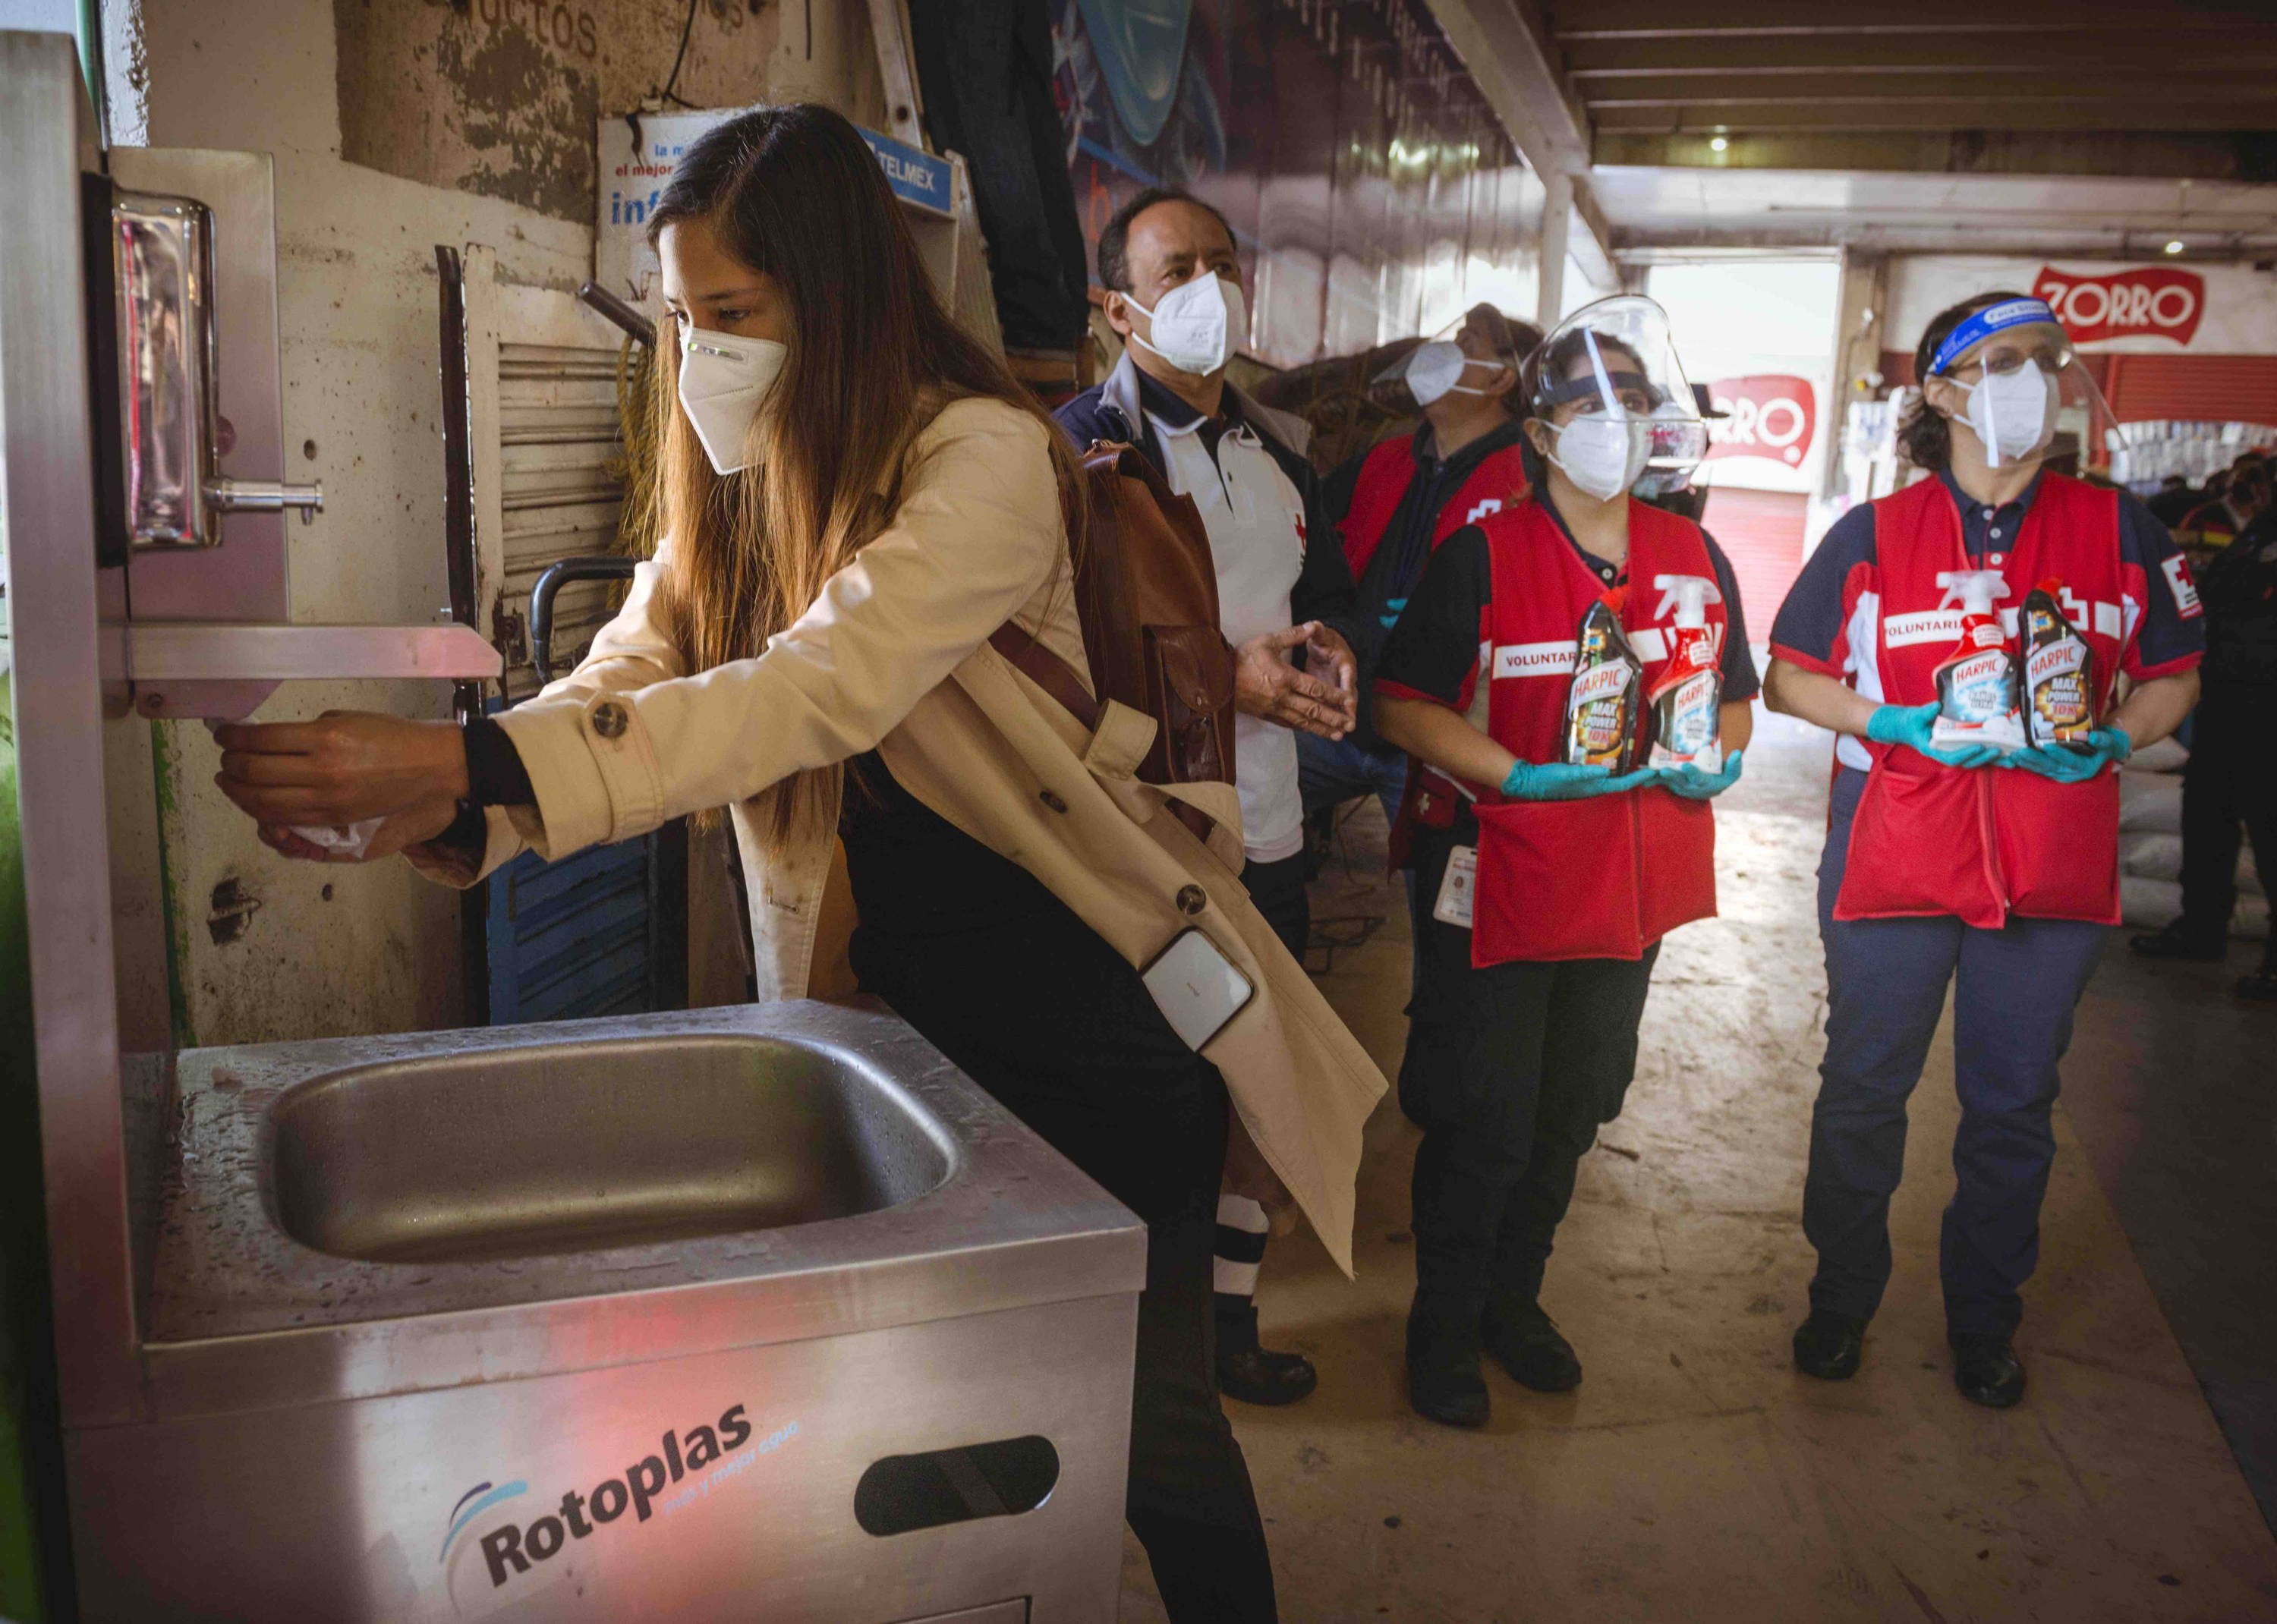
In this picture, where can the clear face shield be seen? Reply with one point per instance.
(2009, 378)
(1617, 409)
(1474, 355)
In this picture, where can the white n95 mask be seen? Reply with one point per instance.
(1603, 452)
(724, 380)
(1195, 323)
(2013, 412)
(1436, 371)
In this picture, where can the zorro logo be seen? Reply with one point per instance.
(2161, 301)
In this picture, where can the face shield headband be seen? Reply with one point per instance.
(1982, 324)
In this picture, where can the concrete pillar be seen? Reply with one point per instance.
(1557, 235)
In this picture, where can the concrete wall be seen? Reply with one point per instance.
(464, 125)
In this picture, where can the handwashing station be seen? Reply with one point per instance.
(752, 1313)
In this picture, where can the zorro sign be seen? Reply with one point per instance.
(1772, 415)
(2157, 301)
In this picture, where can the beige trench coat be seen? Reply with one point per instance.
(894, 656)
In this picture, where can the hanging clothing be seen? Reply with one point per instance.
(986, 69)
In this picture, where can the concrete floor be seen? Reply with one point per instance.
(1695, 1476)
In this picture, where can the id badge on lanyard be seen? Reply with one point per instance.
(1457, 888)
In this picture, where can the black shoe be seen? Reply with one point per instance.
(1260, 1376)
(1987, 1370)
(1829, 1346)
(2174, 941)
(1525, 1341)
(2260, 987)
(1443, 1383)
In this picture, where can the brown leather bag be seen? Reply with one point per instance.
(1146, 592)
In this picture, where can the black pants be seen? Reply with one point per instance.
(1510, 1071)
(2231, 780)
(1053, 1023)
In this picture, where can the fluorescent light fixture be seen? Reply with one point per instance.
(2174, 247)
(1720, 145)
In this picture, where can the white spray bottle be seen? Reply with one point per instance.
(1686, 701)
(1979, 693)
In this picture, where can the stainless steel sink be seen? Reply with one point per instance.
(576, 1147)
(753, 1287)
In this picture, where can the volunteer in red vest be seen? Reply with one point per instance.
(1405, 498)
(1547, 885)
(1961, 863)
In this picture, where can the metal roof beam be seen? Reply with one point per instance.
(1868, 113)
(2181, 156)
(1605, 19)
(2181, 49)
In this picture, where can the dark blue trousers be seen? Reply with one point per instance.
(2014, 990)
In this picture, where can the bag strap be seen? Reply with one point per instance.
(1046, 670)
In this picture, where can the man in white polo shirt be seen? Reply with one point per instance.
(1174, 291)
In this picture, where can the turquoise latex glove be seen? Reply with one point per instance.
(1910, 725)
(1694, 785)
(2068, 766)
(1561, 781)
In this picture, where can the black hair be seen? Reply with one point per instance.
(1925, 436)
(1115, 240)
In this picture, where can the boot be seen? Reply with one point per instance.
(1443, 1383)
(1525, 1342)
(1829, 1346)
(1986, 1370)
(1250, 1372)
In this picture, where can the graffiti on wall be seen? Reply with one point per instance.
(1373, 194)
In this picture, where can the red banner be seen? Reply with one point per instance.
(2160, 301)
(1773, 414)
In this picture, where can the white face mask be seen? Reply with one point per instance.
(1602, 453)
(1195, 324)
(1435, 369)
(724, 380)
(2013, 412)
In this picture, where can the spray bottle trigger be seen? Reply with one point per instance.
(1691, 593)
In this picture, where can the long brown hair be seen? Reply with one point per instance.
(794, 194)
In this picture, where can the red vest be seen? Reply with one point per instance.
(1602, 878)
(1983, 844)
(1499, 481)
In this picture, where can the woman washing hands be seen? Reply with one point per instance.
(857, 497)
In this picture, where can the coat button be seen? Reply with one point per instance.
(1191, 899)
(1050, 798)
(609, 720)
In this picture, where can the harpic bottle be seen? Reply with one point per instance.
(1601, 701)
(1686, 702)
(2058, 673)
(1977, 692)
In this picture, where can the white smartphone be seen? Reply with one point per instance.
(1197, 988)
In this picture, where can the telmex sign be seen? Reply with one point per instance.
(2159, 301)
(1773, 414)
